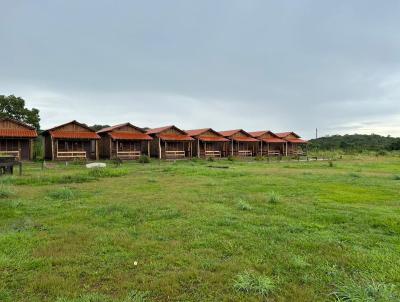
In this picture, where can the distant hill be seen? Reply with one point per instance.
(355, 142)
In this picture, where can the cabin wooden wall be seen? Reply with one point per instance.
(72, 127)
(7, 124)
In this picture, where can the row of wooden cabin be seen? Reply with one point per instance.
(125, 141)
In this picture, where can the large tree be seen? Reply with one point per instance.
(14, 107)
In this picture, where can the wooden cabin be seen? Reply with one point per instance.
(270, 144)
(294, 144)
(208, 143)
(16, 139)
(70, 141)
(170, 142)
(124, 141)
(241, 143)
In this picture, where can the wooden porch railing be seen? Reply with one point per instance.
(212, 153)
(128, 154)
(245, 153)
(271, 153)
(71, 154)
(297, 152)
(175, 154)
(16, 154)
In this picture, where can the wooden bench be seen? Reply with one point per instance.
(7, 164)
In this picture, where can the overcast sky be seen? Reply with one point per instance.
(278, 65)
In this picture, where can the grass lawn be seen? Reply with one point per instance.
(192, 231)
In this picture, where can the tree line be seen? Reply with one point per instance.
(355, 142)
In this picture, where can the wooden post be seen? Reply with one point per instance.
(286, 149)
(52, 147)
(198, 147)
(159, 148)
(110, 148)
(19, 150)
(205, 150)
(261, 143)
(191, 146)
(232, 146)
(97, 149)
(31, 143)
(148, 148)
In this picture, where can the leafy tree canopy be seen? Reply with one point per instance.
(98, 127)
(356, 142)
(14, 107)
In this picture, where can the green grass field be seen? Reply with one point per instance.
(203, 231)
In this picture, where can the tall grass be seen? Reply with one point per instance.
(6, 191)
(254, 284)
(80, 177)
(62, 194)
(274, 197)
(243, 205)
(366, 291)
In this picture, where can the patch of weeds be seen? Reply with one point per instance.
(251, 283)
(299, 262)
(78, 162)
(102, 172)
(243, 205)
(396, 177)
(62, 194)
(330, 164)
(26, 224)
(152, 180)
(274, 197)
(91, 297)
(144, 159)
(136, 296)
(259, 158)
(354, 175)
(6, 191)
(366, 291)
(231, 158)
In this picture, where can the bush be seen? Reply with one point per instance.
(259, 158)
(231, 158)
(381, 153)
(274, 197)
(330, 164)
(144, 159)
(211, 159)
(255, 284)
(396, 177)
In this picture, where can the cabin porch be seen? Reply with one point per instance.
(171, 149)
(70, 149)
(19, 148)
